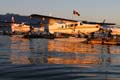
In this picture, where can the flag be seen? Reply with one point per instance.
(76, 13)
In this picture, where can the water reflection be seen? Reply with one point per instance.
(69, 47)
(19, 50)
(72, 53)
(37, 51)
(93, 61)
(25, 51)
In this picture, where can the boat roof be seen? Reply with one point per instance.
(51, 17)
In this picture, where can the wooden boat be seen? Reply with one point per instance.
(71, 39)
(95, 41)
(112, 42)
(108, 42)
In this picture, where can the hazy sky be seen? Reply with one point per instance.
(91, 10)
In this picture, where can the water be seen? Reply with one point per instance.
(43, 59)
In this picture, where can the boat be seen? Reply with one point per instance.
(107, 42)
(73, 28)
(65, 26)
(71, 39)
(22, 28)
(115, 31)
(95, 41)
(39, 35)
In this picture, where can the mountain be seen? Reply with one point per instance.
(18, 18)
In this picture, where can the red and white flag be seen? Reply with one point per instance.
(76, 13)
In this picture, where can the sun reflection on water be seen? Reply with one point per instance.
(37, 51)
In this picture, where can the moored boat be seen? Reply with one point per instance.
(71, 39)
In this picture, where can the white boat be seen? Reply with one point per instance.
(71, 39)
(66, 26)
(23, 28)
(115, 31)
(20, 28)
(15, 27)
(73, 28)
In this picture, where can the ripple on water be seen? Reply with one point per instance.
(60, 72)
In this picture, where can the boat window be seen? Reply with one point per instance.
(68, 25)
(62, 26)
(71, 25)
(76, 24)
(97, 26)
(81, 24)
(65, 26)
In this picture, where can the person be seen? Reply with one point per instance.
(92, 35)
(31, 28)
(109, 33)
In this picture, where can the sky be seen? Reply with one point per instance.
(90, 10)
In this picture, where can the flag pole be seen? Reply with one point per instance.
(72, 14)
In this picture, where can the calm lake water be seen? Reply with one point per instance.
(43, 59)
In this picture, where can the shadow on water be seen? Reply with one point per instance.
(50, 59)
